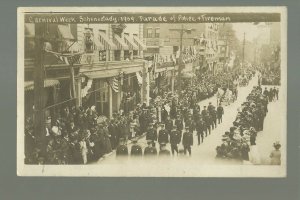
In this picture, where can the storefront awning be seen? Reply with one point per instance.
(129, 41)
(65, 32)
(139, 77)
(106, 42)
(120, 43)
(99, 45)
(140, 44)
(29, 85)
(29, 30)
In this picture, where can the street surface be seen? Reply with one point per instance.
(205, 153)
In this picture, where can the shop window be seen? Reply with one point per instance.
(126, 55)
(102, 95)
(117, 55)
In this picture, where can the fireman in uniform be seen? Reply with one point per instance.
(150, 150)
(151, 133)
(122, 150)
(136, 150)
(187, 140)
(163, 135)
(175, 138)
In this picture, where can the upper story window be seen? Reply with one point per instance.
(149, 33)
(89, 40)
(157, 32)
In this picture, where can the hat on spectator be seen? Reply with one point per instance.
(277, 145)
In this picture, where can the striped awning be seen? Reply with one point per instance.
(65, 32)
(29, 85)
(140, 44)
(106, 42)
(120, 43)
(98, 44)
(129, 41)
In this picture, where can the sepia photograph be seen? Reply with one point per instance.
(152, 91)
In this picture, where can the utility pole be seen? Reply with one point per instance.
(180, 61)
(39, 75)
(181, 31)
(243, 50)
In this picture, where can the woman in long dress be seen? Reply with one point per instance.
(276, 154)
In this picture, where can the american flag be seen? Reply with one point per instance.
(114, 84)
(69, 59)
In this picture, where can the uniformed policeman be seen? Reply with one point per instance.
(150, 150)
(151, 133)
(213, 115)
(210, 107)
(122, 149)
(200, 130)
(175, 138)
(136, 150)
(163, 136)
(169, 124)
(163, 151)
(220, 113)
(204, 112)
(179, 123)
(187, 140)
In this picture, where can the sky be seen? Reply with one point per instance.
(251, 30)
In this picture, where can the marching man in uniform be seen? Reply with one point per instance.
(163, 136)
(151, 133)
(122, 150)
(175, 138)
(220, 113)
(187, 140)
(136, 150)
(150, 150)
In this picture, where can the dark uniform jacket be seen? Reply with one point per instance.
(187, 139)
(179, 124)
(220, 111)
(200, 126)
(151, 134)
(163, 136)
(122, 150)
(204, 113)
(175, 137)
(136, 150)
(150, 151)
(169, 124)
